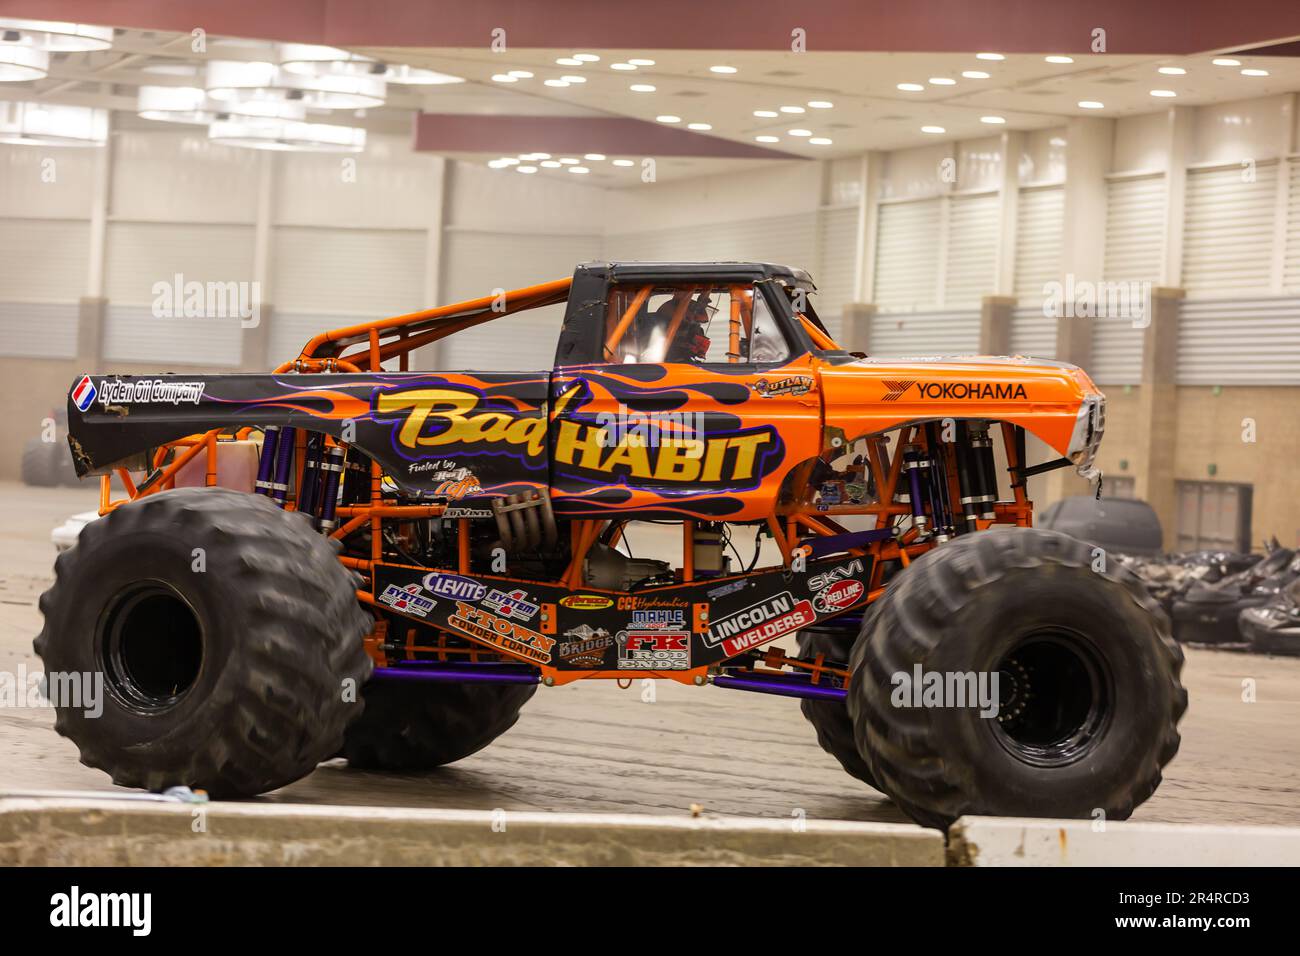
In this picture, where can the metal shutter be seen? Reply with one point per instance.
(1291, 267)
(907, 254)
(1040, 222)
(1228, 231)
(139, 254)
(970, 257)
(329, 278)
(43, 265)
(1239, 342)
(1032, 333)
(1135, 229)
(1116, 357)
(924, 333)
(833, 268)
(476, 263)
(38, 329)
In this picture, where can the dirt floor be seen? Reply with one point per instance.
(594, 746)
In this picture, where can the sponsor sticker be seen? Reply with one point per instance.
(585, 647)
(761, 622)
(454, 587)
(838, 573)
(407, 599)
(723, 590)
(839, 596)
(149, 391)
(586, 602)
(654, 650)
(793, 385)
(83, 393)
(509, 636)
(511, 604)
(467, 513)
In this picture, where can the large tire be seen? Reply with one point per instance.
(40, 466)
(232, 680)
(418, 725)
(830, 718)
(1090, 696)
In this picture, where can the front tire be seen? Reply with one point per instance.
(1088, 677)
(830, 718)
(225, 637)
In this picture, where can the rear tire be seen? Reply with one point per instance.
(230, 675)
(40, 466)
(830, 718)
(418, 725)
(1090, 696)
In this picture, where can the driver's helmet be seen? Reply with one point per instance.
(690, 343)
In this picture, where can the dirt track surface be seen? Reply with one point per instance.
(593, 746)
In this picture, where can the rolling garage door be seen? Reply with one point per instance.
(1291, 262)
(1228, 231)
(1039, 234)
(42, 275)
(1135, 217)
(906, 269)
(1239, 342)
(924, 333)
(1032, 333)
(970, 253)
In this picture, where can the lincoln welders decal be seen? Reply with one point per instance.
(956, 391)
(761, 622)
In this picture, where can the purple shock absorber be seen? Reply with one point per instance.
(331, 470)
(266, 461)
(912, 464)
(283, 461)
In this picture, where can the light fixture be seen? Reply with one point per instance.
(668, 118)
(1058, 58)
(579, 170)
(586, 57)
(574, 79)
(975, 74)
(989, 56)
(1171, 70)
(1225, 61)
(624, 162)
(641, 88)
(526, 169)
(498, 164)
(1165, 93)
(933, 129)
(1091, 105)
(19, 62)
(594, 157)
(800, 132)
(539, 155)
(911, 87)
(820, 141)
(232, 79)
(766, 114)
(993, 120)
(287, 136)
(1254, 72)
(722, 69)
(55, 36)
(52, 124)
(561, 83)
(550, 164)
(568, 161)
(622, 66)
(569, 61)
(504, 78)
(636, 62)
(520, 74)
(820, 104)
(768, 139)
(312, 59)
(943, 81)
(792, 109)
(404, 75)
(174, 104)
(699, 127)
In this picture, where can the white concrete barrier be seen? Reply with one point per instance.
(1017, 841)
(86, 831)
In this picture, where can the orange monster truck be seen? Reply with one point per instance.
(348, 557)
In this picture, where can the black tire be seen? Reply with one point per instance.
(231, 680)
(418, 725)
(40, 466)
(830, 718)
(1089, 717)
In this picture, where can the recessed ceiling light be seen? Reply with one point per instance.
(765, 114)
(698, 126)
(504, 78)
(768, 139)
(520, 74)
(820, 104)
(1091, 105)
(993, 120)
(989, 56)
(641, 88)
(800, 132)
(556, 82)
(722, 69)
(550, 164)
(933, 129)
(1171, 70)
(587, 57)
(580, 170)
(820, 141)
(594, 157)
(509, 160)
(1254, 72)
(574, 79)
(668, 118)
(1163, 93)
(975, 74)
(911, 87)
(525, 169)
(623, 162)
(943, 81)
(568, 61)
(568, 161)
(792, 109)
(642, 62)
(497, 164)
(1057, 58)
(622, 66)
(1225, 61)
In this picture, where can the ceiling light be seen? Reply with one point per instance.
(504, 78)
(550, 164)
(975, 74)
(498, 164)
(911, 87)
(556, 83)
(800, 132)
(792, 109)
(405, 75)
(287, 136)
(1254, 72)
(722, 69)
(52, 124)
(19, 63)
(993, 120)
(586, 57)
(520, 74)
(701, 127)
(1225, 61)
(820, 104)
(1091, 105)
(541, 155)
(768, 139)
(509, 160)
(230, 79)
(642, 62)
(933, 129)
(621, 66)
(989, 56)
(820, 141)
(594, 157)
(943, 81)
(174, 104)
(568, 161)
(766, 114)
(668, 118)
(1163, 93)
(526, 169)
(623, 162)
(1171, 70)
(569, 61)
(641, 88)
(1057, 58)
(60, 37)
(574, 79)
(268, 104)
(311, 58)
(580, 170)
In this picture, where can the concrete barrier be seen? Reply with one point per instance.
(106, 832)
(1014, 841)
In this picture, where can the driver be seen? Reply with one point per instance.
(690, 344)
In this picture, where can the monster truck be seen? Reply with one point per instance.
(350, 557)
